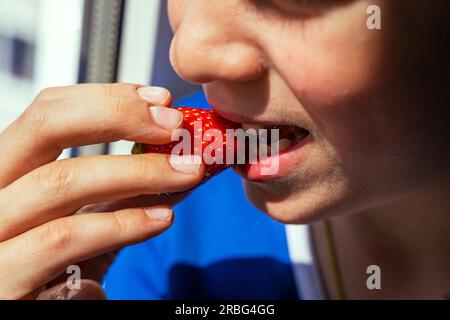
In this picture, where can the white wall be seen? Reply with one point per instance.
(54, 26)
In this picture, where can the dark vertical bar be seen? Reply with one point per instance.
(99, 58)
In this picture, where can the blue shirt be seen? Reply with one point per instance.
(220, 247)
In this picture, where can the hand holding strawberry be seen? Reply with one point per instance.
(198, 122)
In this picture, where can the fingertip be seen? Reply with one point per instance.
(187, 164)
(161, 213)
(166, 118)
(155, 95)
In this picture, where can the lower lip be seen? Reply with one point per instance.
(276, 166)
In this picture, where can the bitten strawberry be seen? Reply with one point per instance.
(198, 123)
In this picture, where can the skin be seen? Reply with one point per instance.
(80, 211)
(375, 103)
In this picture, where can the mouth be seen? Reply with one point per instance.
(290, 150)
(288, 137)
(282, 155)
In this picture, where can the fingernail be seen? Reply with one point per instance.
(159, 213)
(153, 95)
(186, 164)
(166, 118)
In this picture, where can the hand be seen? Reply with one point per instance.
(59, 213)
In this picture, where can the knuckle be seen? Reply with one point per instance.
(108, 90)
(141, 166)
(118, 89)
(129, 224)
(124, 112)
(57, 235)
(56, 179)
(47, 93)
(37, 118)
(118, 108)
(155, 173)
(123, 87)
(119, 225)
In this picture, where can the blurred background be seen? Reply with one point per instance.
(46, 43)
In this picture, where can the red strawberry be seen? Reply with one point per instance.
(209, 120)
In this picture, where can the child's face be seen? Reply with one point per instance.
(374, 101)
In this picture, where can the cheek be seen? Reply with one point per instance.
(335, 67)
(332, 57)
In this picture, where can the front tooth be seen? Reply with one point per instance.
(255, 126)
(264, 149)
(284, 144)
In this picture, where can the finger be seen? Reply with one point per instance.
(93, 269)
(136, 202)
(89, 290)
(153, 95)
(50, 126)
(39, 255)
(61, 188)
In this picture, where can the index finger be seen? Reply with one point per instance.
(79, 116)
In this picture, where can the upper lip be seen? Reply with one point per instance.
(242, 119)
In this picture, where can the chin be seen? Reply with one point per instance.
(288, 204)
(286, 207)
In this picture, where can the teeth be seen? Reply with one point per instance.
(255, 126)
(284, 144)
(264, 149)
(295, 136)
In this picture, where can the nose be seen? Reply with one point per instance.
(211, 44)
